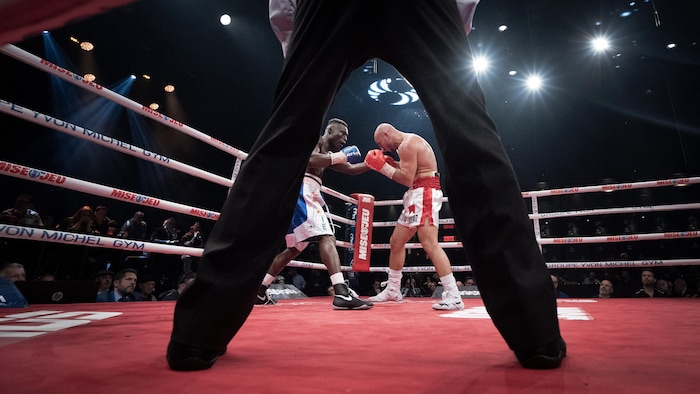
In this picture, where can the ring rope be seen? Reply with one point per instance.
(606, 211)
(107, 141)
(613, 187)
(75, 79)
(63, 237)
(49, 178)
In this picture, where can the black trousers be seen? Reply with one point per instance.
(425, 41)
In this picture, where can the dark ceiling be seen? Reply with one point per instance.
(629, 114)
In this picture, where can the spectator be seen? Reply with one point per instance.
(605, 289)
(664, 286)
(183, 283)
(103, 224)
(627, 285)
(298, 279)
(648, 289)
(105, 277)
(82, 221)
(167, 233)
(430, 287)
(410, 289)
(134, 228)
(591, 279)
(123, 285)
(147, 286)
(22, 213)
(46, 277)
(13, 271)
(559, 293)
(680, 289)
(192, 238)
(376, 287)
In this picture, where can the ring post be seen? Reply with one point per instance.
(363, 231)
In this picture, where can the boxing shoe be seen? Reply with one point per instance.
(185, 358)
(388, 294)
(350, 302)
(262, 298)
(548, 356)
(451, 301)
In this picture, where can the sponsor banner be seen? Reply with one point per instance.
(363, 231)
(278, 291)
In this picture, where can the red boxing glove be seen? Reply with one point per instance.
(376, 160)
(390, 161)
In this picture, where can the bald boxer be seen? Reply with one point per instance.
(422, 202)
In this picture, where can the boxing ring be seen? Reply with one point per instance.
(361, 226)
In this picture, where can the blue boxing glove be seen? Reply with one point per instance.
(350, 154)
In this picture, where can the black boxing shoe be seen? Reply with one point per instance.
(185, 358)
(548, 356)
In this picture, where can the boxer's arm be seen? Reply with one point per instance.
(350, 169)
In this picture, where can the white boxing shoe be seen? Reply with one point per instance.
(451, 301)
(388, 294)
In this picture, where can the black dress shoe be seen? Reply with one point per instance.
(548, 356)
(185, 358)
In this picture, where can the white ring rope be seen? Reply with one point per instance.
(63, 237)
(612, 187)
(49, 178)
(107, 141)
(606, 211)
(44, 65)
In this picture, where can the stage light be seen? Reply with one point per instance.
(146, 76)
(534, 82)
(86, 46)
(169, 88)
(225, 19)
(154, 106)
(502, 28)
(480, 64)
(89, 77)
(600, 44)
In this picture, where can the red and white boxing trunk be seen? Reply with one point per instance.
(422, 201)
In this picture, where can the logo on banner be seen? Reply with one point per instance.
(363, 232)
(33, 324)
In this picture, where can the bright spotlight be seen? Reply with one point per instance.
(600, 44)
(87, 46)
(480, 64)
(502, 28)
(132, 76)
(225, 19)
(534, 82)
